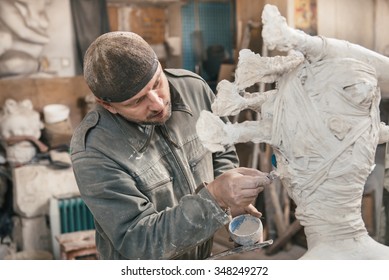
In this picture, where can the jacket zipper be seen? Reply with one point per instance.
(165, 135)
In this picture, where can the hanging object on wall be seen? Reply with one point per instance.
(148, 22)
(305, 16)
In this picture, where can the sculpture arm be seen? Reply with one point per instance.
(215, 134)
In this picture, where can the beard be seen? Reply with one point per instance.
(154, 120)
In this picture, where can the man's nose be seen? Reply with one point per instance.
(155, 102)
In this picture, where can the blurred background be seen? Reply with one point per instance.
(42, 44)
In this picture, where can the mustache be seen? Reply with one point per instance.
(156, 113)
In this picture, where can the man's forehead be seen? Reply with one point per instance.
(148, 87)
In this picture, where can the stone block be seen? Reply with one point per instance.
(32, 233)
(34, 185)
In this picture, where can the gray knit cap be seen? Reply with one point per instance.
(117, 65)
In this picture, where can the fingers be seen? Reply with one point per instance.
(251, 181)
(248, 171)
(243, 198)
(238, 187)
(249, 193)
(250, 209)
(262, 178)
(258, 181)
(253, 211)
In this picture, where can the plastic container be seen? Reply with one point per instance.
(55, 113)
(246, 230)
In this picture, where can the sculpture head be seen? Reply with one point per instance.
(326, 124)
(20, 119)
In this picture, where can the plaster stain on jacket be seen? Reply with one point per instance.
(136, 155)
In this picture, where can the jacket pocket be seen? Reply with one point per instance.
(201, 167)
(161, 194)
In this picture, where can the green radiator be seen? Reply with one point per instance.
(74, 215)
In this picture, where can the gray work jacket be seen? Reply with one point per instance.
(139, 181)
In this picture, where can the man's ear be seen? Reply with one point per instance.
(106, 105)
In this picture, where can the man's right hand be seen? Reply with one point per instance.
(238, 187)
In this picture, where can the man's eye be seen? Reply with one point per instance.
(139, 100)
(156, 85)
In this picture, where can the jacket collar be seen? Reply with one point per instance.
(177, 102)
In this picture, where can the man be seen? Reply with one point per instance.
(139, 164)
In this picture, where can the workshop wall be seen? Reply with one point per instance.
(59, 53)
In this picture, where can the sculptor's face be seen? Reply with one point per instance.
(152, 105)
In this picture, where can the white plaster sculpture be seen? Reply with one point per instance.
(23, 35)
(323, 123)
(20, 130)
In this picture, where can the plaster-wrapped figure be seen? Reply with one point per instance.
(323, 123)
(23, 35)
(20, 130)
